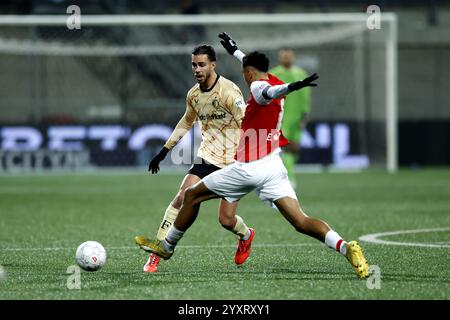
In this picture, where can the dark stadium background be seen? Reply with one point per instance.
(423, 78)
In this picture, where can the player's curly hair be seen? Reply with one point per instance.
(205, 49)
(257, 60)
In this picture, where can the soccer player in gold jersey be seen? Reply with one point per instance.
(217, 104)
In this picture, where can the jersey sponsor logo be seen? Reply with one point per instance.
(213, 116)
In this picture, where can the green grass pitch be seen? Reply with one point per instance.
(43, 219)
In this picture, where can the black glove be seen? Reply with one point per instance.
(154, 164)
(303, 83)
(228, 43)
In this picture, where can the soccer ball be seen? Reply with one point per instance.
(91, 256)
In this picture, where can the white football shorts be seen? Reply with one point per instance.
(267, 176)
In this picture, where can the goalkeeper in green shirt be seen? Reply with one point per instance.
(296, 109)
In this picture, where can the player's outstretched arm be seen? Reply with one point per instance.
(230, 45)
(277, 91)
(263, 92)
(307, 82)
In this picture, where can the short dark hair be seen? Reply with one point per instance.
(205, 49)
(257, 60)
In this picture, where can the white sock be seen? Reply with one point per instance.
(173, 236)
(334, 241)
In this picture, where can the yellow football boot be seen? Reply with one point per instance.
(153, 246)
(356, 257)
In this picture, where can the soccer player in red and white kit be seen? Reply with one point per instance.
(258, 167)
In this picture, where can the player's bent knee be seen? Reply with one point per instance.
(190, 196)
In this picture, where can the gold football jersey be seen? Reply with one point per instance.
(219, 111)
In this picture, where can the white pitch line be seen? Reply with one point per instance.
(373, 238)
(267, 245)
